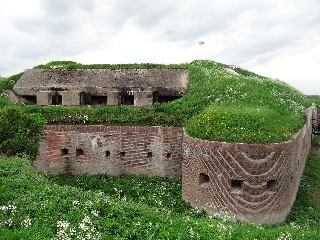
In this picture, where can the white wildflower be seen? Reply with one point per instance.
(63, 225)
(12, 208)
(95, 213)
(285, 236)
(3, 208)
(9, 222)
(26, 223)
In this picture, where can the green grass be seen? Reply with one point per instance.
(35, 206)
(307, 204)
(274, 109)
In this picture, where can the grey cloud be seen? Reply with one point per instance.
(63, 7)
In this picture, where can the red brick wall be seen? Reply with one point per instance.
(249, 182)
(114, 150)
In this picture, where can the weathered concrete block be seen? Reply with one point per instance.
(113, 98)
(143, 98)
(44, 98)
(98, 82)
(71, 98)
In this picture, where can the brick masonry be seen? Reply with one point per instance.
(114, 150)
(249, 182)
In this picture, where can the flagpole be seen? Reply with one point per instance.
(200, 43)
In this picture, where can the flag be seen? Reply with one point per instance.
(200, 43)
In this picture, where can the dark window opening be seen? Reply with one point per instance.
(149, 154)
(237, 186)
(85, 98)
(79, 152)
(107, 153)
(127, 100)
(98, 100)
(168, 154)
(64, 151)
(122, 154)
(31, 99)
(166, 99)
(271, 184)
(203, 178)
(56, 100)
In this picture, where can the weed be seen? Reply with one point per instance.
(34, 206)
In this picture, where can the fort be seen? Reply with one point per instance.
(75, 87)
(249, 182)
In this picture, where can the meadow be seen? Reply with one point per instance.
(40, 206)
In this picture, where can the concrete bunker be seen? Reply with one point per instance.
(101, 87)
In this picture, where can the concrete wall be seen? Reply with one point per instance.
(249, 182)
(78, 86)
(113, 150)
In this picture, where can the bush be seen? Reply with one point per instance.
(20, 132)
(8, 83)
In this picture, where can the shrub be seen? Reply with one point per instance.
(20, 132)
(8, 83)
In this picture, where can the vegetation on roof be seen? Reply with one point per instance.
(219, 105)
(74, 65)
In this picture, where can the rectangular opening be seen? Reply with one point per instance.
(85, 98)
(107, 154)
(31, 99)
(237, 186)
(127, 100)
(271, 185)
(149, 154)
(98, 100)
(122, 154)
(203, 179)
(166, 99)
(56, 99)
(64, 151)
(79, 152)
(168, 154)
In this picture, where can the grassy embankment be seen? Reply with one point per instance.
(35, 206)
(218, 105)
(244, 108)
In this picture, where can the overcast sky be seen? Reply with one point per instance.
(275, 38)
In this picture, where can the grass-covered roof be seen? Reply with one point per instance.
(219, 105)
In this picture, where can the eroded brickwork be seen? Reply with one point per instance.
(114, 150)
(249, 182)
